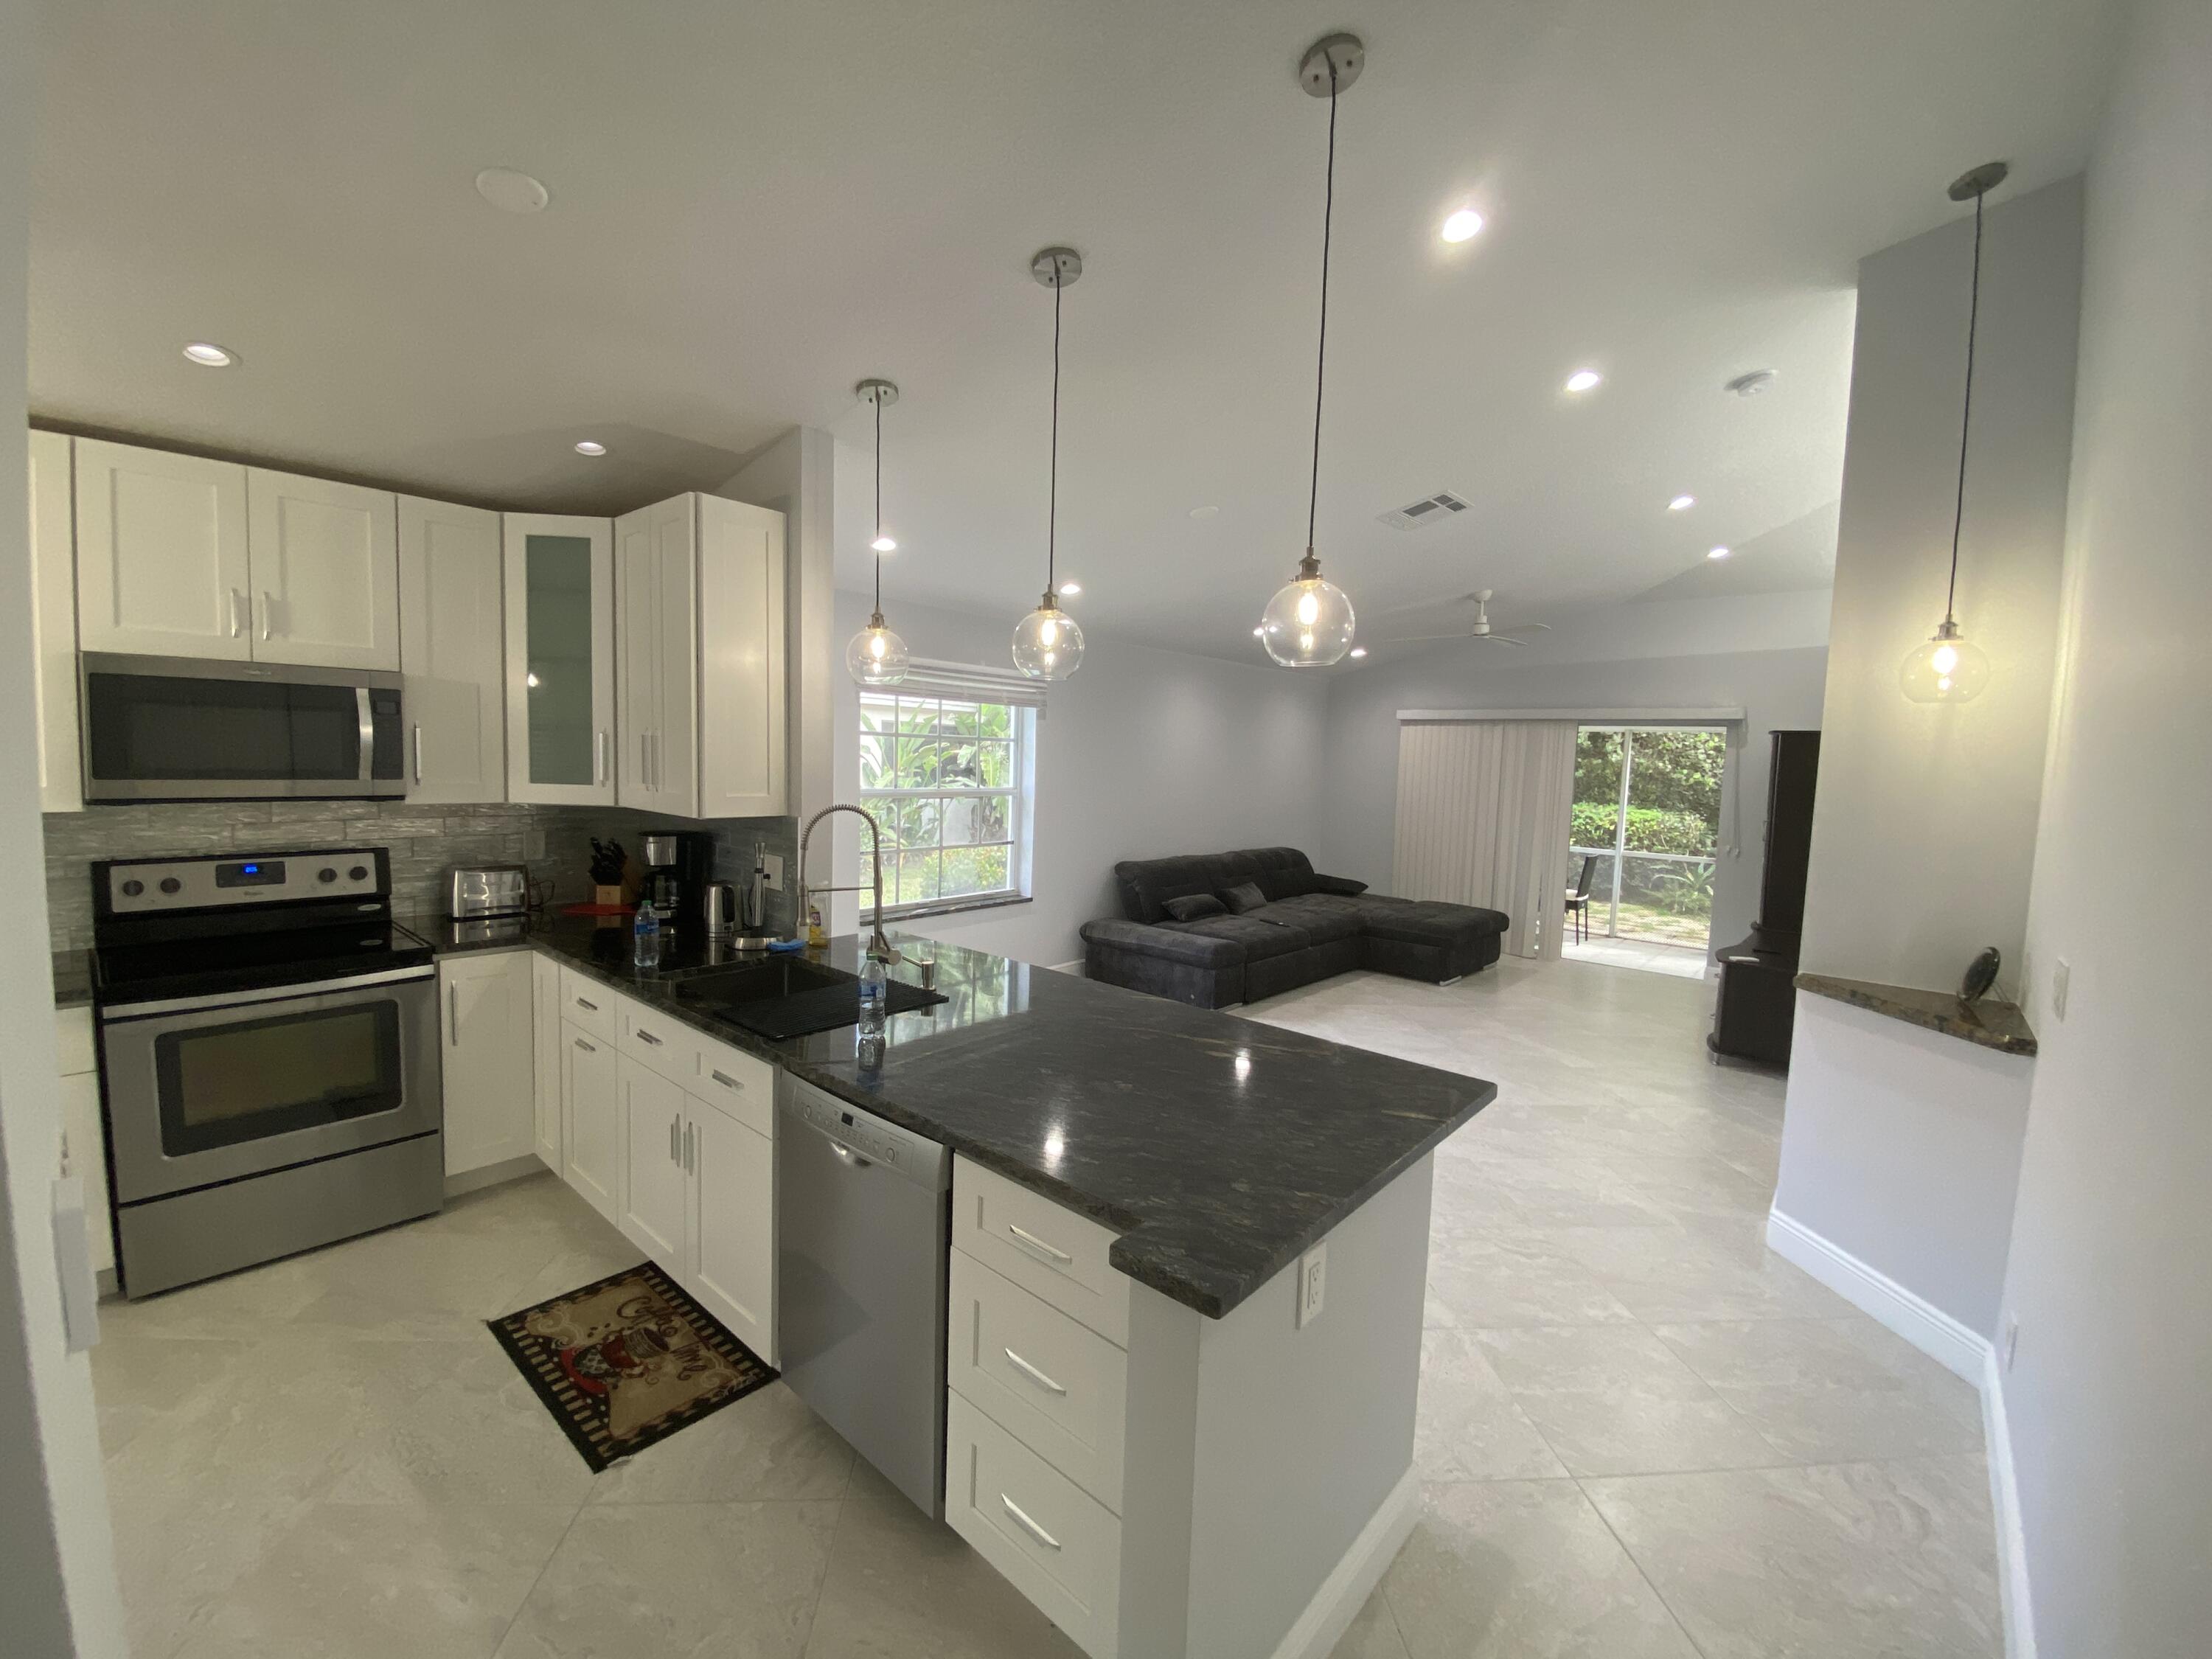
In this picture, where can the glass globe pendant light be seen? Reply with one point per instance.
(877, 656)
(1308, 622)
(1048, 645)
(1950, 667)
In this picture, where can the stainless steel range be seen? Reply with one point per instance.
(269, 1058)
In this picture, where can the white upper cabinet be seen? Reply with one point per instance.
(53, 624)
(701, 712)
(161, 554)
(325, 563)
(559, 609)
(453, 652)
(657, 681)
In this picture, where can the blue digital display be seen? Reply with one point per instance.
(256, 874)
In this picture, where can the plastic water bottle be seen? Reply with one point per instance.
(875, 994)
(645, 937)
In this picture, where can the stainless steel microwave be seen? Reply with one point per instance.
(181, 728)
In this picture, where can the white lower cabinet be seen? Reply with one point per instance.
(488, 1015)
(84, 1152)
(656, 1200)
(591, 1118)
(733, 1257)
(545, 1040)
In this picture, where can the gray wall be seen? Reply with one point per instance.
(1926, 830)
(424, 842)
(1777, 689)
(1142, 753)
(2111, 1433)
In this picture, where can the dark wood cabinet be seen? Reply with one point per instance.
(1756, 1008)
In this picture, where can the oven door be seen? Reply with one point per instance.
(174, 729)
(209, 1089)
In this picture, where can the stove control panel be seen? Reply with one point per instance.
(139, 886)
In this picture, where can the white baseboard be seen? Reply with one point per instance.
(1079, 967)
(1352, 1580)
(2004, 1503)
(1875, 1294)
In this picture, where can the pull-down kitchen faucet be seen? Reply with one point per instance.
(879, 946)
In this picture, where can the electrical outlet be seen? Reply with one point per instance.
(1313, 1279)
(2061, 976)
(2011, 1342)
(772, 867)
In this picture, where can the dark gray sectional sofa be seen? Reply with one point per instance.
(1309, 927)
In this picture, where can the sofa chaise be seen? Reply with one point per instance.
(1215, 929)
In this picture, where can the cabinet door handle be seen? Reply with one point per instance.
(237, 612)
(1028, 1525)
(600, 756)
(691, 1149)
(1033, 1373)
(453, 1015)
(585, 1002)
(1035, 1243)
(418, 754)
(586, 1047)
(673, 1156)
(644, 1036)
(268, 612)
(726, 1080)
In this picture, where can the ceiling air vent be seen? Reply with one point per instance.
(1435, 509)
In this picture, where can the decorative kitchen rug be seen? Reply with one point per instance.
(627, 1361)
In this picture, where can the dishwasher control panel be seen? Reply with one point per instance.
(864, 1135)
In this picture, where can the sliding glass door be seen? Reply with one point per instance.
(1645, 831)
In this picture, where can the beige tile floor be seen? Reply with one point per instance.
(1640, 1433)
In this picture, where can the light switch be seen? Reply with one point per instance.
(2061, 976)
(1313, 1280)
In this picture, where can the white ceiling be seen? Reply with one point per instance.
(754, 205)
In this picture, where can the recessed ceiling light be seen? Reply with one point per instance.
(1204, 512)
(511, 192)
(883, 544)
(1717, 553)
(588, 448)
(1582, 380)
(1359, 650)
(1681, 504)
(210, 356)
(1751, 385)
(1070, 588)
(1461, 225)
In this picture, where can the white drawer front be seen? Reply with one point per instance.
(1058, 1546)
(741, 1086)
(1048, 1251)
(1057, 1386)
(73, 1047)
(589, 1006)
(656, 1041)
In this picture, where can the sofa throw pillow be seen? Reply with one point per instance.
(1344, 886)
(1245, 896)
(1192, 906)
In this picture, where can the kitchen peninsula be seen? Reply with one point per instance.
(1209, 1239)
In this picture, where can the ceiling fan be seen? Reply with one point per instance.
(1481, 632)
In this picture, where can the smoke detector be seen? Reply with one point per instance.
(1751, 385)
(1432, 509)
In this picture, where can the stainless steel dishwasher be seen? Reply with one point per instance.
(863, 1221)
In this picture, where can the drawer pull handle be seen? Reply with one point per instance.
(644, 1036)
(586, 1047)
(582, 1002)
(726, 1080)
(1027, 1238)
(1033, 1373)
(1028, 1525)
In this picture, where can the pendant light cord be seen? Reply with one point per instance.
(878, 401)
(1321, 356)
(1052, 508)
(1965, 410)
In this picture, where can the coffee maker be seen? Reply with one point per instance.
(679, 864)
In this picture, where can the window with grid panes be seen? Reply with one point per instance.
(945, 777)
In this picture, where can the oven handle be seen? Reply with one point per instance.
(130, 1010)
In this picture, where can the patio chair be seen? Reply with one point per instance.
(1578, 899)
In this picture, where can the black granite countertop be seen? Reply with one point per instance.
(72, 979)
(1988, 1022)
(1218, 1148)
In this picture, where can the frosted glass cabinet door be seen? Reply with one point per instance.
(559, 659)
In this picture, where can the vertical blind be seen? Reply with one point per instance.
(1482, 819)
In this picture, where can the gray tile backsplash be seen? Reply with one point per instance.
(424, 841)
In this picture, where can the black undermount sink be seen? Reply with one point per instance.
(788, 996)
